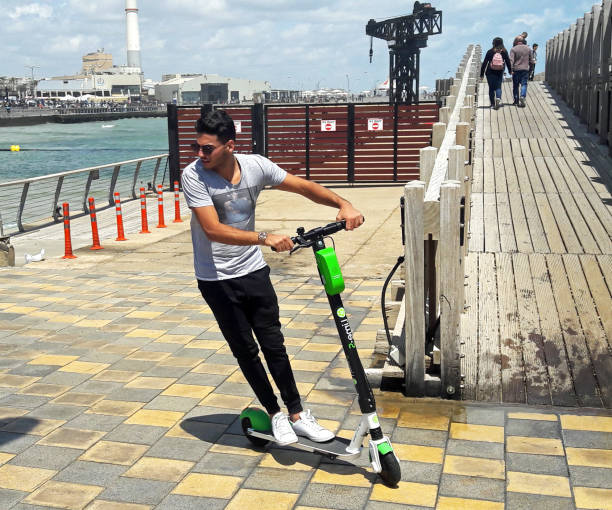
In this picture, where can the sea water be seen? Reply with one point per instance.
(52, 148)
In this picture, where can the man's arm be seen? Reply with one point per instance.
(324, 196)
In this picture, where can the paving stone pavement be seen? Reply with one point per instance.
(117, 391)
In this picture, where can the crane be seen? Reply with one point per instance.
(405, 36)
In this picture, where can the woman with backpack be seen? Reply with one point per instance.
(493, 65)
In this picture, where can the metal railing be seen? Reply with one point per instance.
(29, 203)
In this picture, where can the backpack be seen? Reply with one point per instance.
(497, 62)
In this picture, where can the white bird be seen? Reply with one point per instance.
(35, 258)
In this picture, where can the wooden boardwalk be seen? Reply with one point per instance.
(539, 321)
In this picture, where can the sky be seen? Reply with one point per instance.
(295, 44)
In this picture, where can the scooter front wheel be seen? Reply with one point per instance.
(391, 472)
(255, 419)
(257, 441)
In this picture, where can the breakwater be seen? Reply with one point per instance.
(71, 117)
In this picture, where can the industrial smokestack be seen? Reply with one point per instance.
(133, 35)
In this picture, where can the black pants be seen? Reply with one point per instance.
(247, 305)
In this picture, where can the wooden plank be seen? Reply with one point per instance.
(533, 177)
(547, 181)
(591, 326)
(570, 240)
(506, 227)
(511, 176)
(511, 358)
(489, 368)
(470, 326)
(477, 175)
(600, 292)
(516, 148)
(549, 223)
(561, 385)
(588, 243)
(521, 231)
(556, 175)
(491, 228)
(500, 175)
(599, 232)
(573, 336)
(537, 382)
(534, 222)
(572, 183)
(488, 182)
(476, 240)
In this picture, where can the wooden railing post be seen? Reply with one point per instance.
(427, 160)
(437, 134)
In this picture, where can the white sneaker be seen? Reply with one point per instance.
(308, 426)
(522, 102)
(281, 428)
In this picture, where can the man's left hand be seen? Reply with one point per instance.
(352, 216)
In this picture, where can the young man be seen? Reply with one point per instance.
(521, 57)
(534, 51)
(221, 188)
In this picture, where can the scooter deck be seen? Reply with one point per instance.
(333, 448)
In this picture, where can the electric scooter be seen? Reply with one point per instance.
(256, 423)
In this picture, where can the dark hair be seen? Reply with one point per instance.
(536, 44)
(498, 43)
(219, 123)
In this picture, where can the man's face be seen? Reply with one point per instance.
(211, 151)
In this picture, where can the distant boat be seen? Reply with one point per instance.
(104, 126)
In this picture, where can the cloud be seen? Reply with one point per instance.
(41, 11)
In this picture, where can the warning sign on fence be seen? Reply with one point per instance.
(238, 126)
(328, 125)
(375, 124)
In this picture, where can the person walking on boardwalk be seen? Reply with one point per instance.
(521, 58)
(493, 66)
(221, 188)
(534, 49)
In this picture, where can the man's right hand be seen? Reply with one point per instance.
(279, 242)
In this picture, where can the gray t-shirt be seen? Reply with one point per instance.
(235, 205)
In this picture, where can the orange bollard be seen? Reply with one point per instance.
(94, 225)
(160, 206)
(143, 213)
(67, 240)
(177, 204)
(120, 234)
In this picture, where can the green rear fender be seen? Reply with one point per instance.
(260, 420)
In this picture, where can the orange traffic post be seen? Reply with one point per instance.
(120, 234)
(67, 239)
(160, 206)
(94, 225)
(143, 213)
(177, 204)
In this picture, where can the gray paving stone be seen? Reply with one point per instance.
(541, 464)
(99, 422)
(326, 412)
(383, 505)
(134, 394)
(334, 384)
(315, 356)
(29, 370)
(479, 415)
(232, 388)
(179, 448)
(202, 379)
(583, 439)
(9, 497)
(222, 359)
(519, 501)
(16, 443)
(169, 403)
(132, 365)
(99, 387)
(306, 376)
(421, 472)
(334, 496)
(212, 414)
(533, 428)
(56, 412)
(475, 449)
(583, 476)
(90, 473)
(136, 490)
(46, 457)
(283, 480)
(23, 401)
(137, 434)
(226, 464)
(420, 437)
(179, 502)
(297, 333)
(162, 347)
(159, 371)
(472, 487)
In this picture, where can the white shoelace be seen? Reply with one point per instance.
(281, 424)
(310, 420)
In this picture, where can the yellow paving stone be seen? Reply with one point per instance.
(45, 390)
(78, 399)
(151, 383)
(205, 485)
(473, 466)
(165, 470)
(24, 310)
(486, 433)
(205, 344)
(296, 342)
(591, 498)
(534, 445)
(590, 423)
(117, 349)
(100, 504)
(286, 306)
(372, 320)
(92, 323)
(21, 478)
(178, 431)
(67, 318)
(64, 495)
(445, 503)
(4, 305)
(533, 416)
(295, 324)
(188, 390)
(430, 420)
(366, 293)
(146, 333)
(364, 335)
(72, 438)
(37, 427)
(226, 401)
(340, 373)
(212, 329)
(5, 457)
(212, 368)
(337, 474)
(154, 418)
(112, 452)
(148, 356)
(416, 453)
(237, 377)
(44, 314)
(545, 485)
(180, 362)
(314, 347)
(359, 303)
(304, 388)
(294, 461)
(115, 408)
(142, 314)
(52, 359)
(234, 450)
(252, 499)
(330, 397)
(591, 457)
(407, 493)
(116, 375)
(174, 339)
(387, 409)
(84, 367)
(315, 311)
(11, 412)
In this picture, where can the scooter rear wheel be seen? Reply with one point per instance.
(391, 472)
(257, 441)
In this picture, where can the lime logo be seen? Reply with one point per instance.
(340, 312)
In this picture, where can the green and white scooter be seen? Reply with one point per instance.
(256, 422)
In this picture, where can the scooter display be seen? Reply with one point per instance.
(256, 423)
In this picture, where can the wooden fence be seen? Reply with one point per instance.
(365, 142)
(579, 68)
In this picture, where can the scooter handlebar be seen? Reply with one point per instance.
(329, 229)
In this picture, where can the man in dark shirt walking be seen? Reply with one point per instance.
(521, 57)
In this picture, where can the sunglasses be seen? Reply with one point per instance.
(206, 149)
